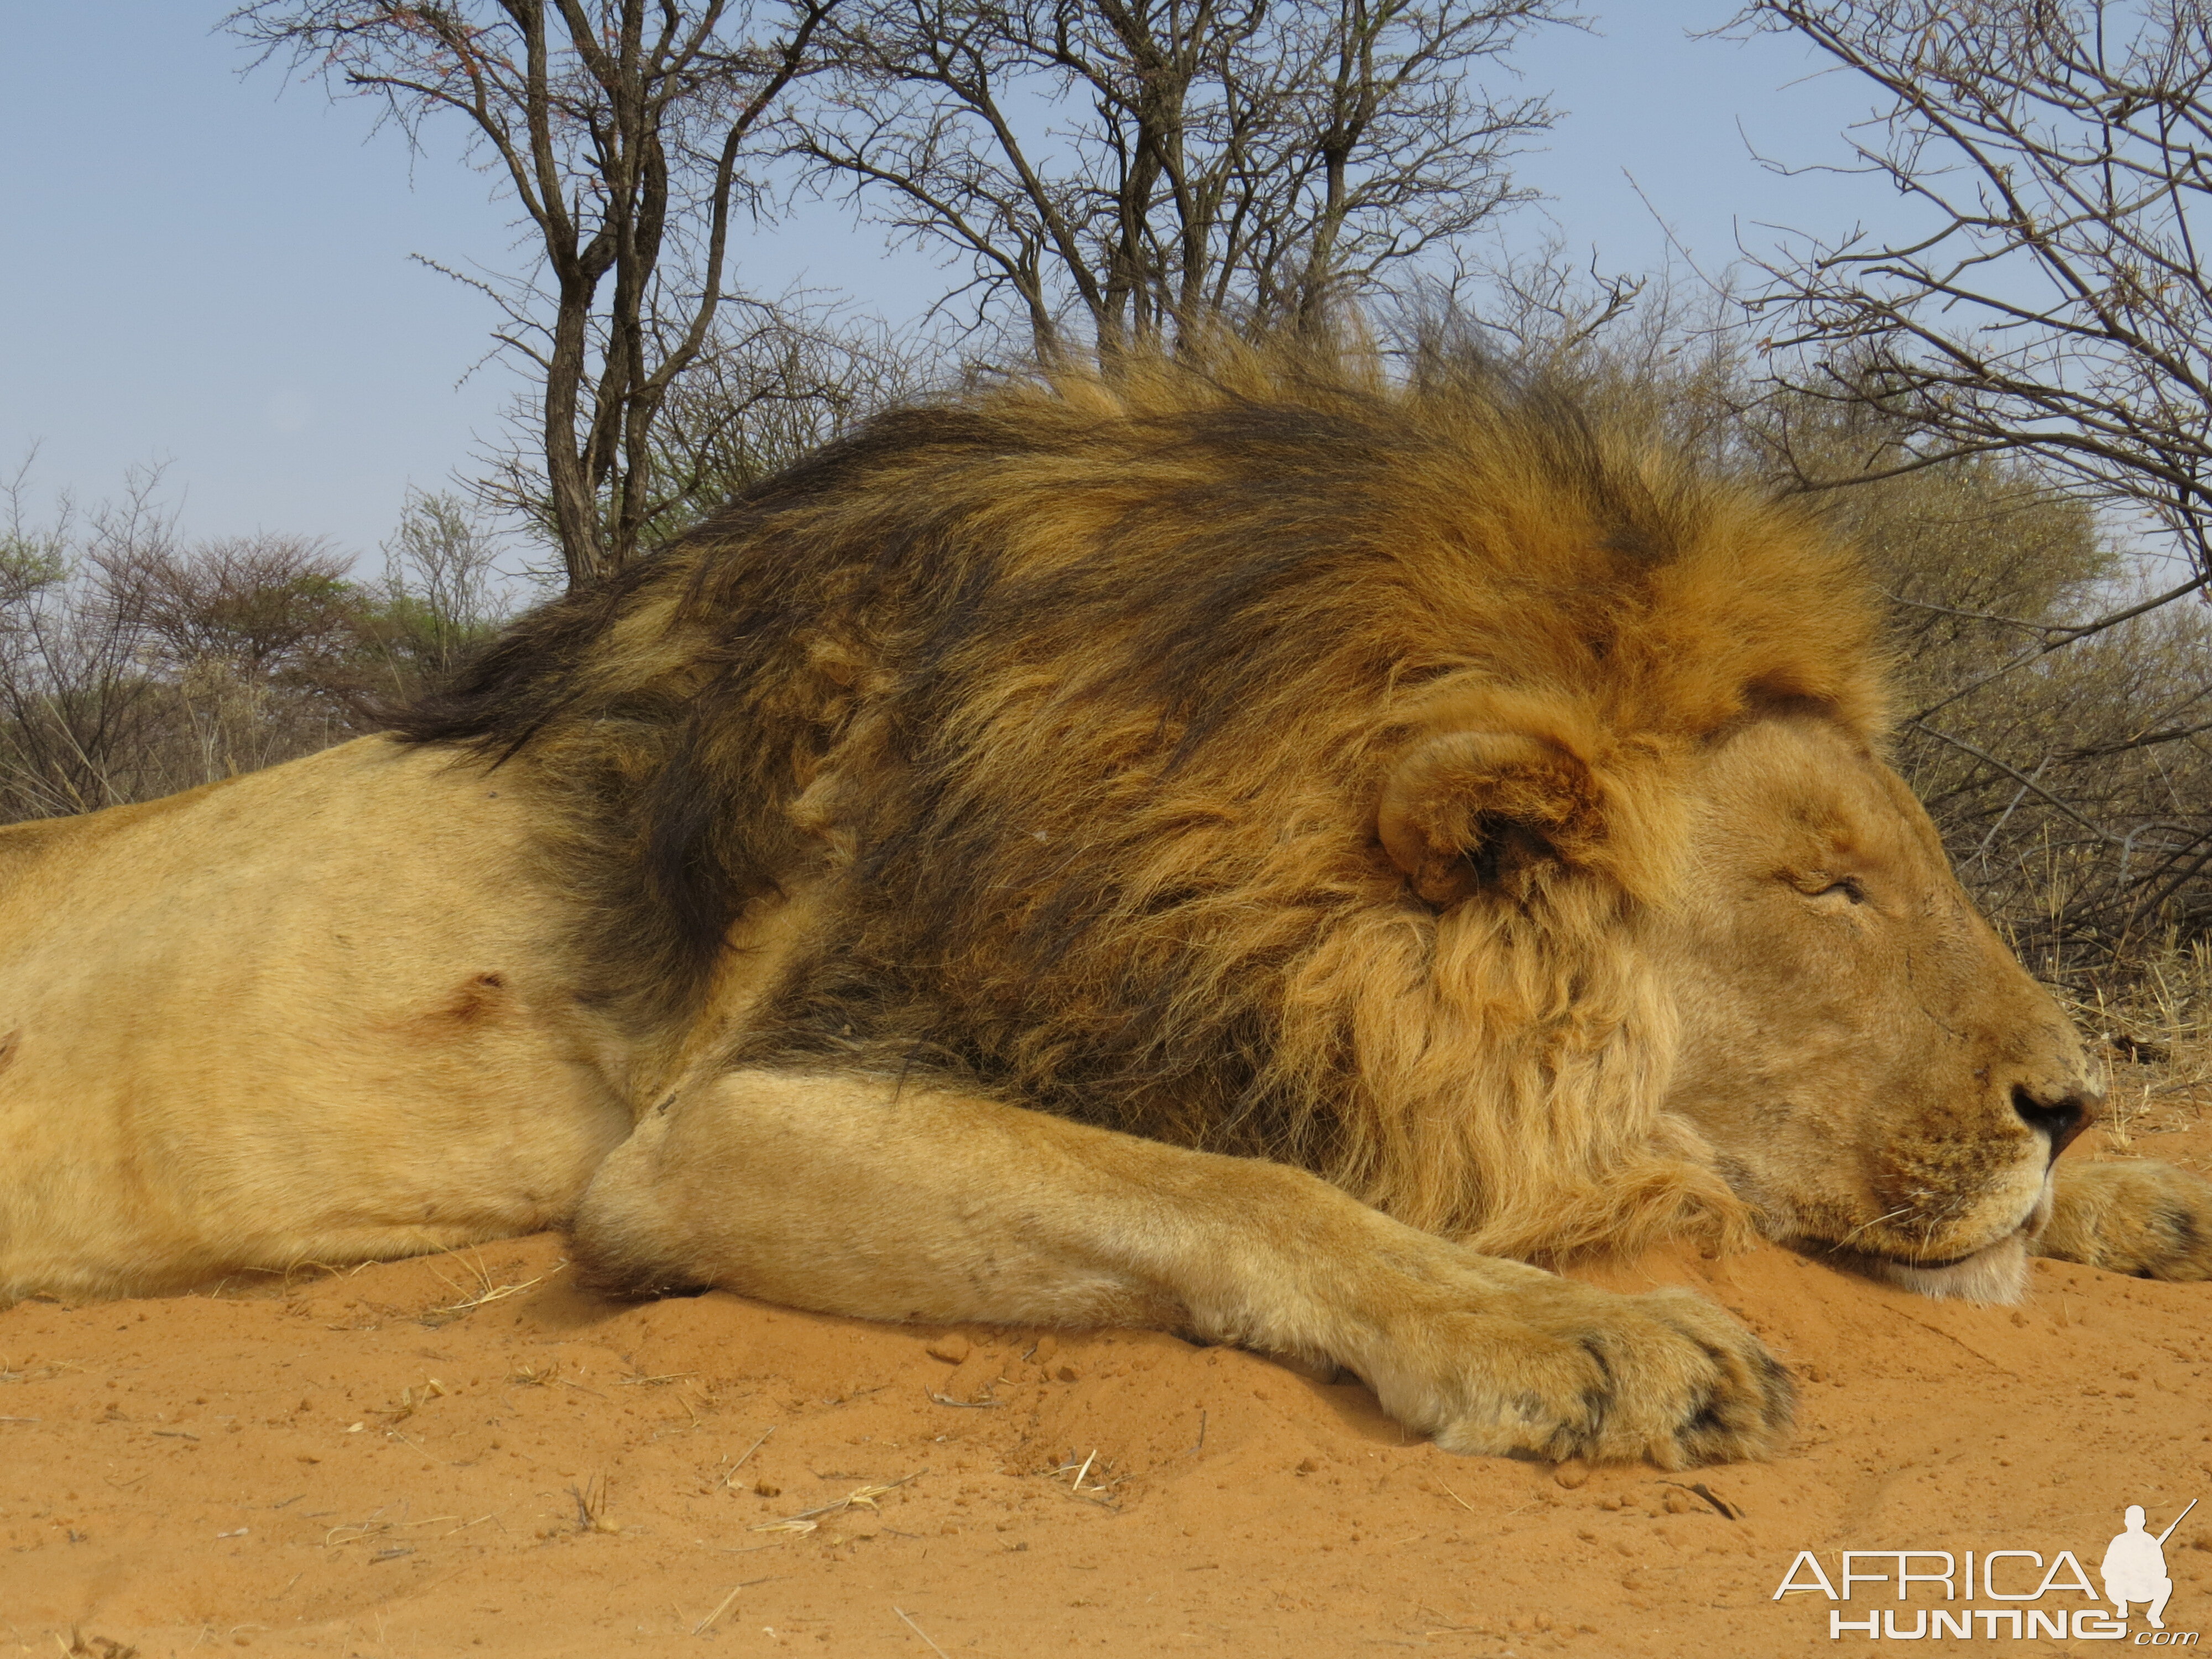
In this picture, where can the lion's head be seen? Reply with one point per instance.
(1864, 1061)
(1871, 1066)
(1417, 783)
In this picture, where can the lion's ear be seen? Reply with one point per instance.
(1461, 811)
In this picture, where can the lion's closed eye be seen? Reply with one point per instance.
(1828, 887)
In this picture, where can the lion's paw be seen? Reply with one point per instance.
(1575, 1372)
(2150, 1219)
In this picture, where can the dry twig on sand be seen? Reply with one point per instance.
(707, 1623)
(918, 1630)
(746, 1456)
(986, 1403)
(859, 1497)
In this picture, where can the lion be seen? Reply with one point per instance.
(1257, 848)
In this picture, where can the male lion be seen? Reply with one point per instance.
(1262, 852)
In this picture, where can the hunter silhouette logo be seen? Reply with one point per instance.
(2133, 1569)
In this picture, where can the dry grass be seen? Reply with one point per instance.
(478, 1288)
(591, 1499)
(2153, 1022)
(1100, 1476)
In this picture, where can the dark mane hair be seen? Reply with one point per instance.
(1066, 707)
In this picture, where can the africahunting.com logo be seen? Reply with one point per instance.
(2132, 1571)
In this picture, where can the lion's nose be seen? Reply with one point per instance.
(2060, 1116)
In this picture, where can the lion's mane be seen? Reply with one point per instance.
(1069, 704)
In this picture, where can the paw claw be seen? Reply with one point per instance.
(1665, 1378)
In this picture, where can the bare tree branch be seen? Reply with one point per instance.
(2054, 154)
(1129, 166)
(623, 129)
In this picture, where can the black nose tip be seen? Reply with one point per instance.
(2061, 1119)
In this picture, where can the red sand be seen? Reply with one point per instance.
(337, 1467)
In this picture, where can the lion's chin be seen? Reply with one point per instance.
(1996, 1274)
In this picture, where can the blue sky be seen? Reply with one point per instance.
(212, 272)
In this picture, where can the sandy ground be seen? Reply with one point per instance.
(462, 1455)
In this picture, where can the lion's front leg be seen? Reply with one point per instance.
(2137, 1217)
(852, 1194)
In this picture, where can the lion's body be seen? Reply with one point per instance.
(315, 1014)
(1037, 859)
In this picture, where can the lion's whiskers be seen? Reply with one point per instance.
(1845, 1242)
